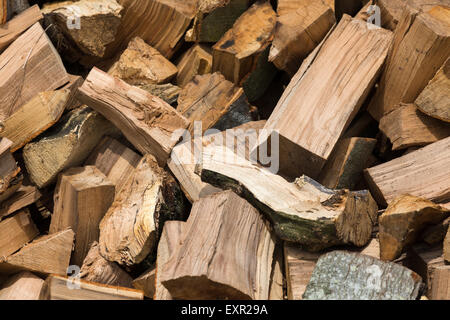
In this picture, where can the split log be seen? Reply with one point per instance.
(348, 7)
(196, 61)
(214, 101)
(435, 234)
(34, 117)
(63, 288)
(140, 64)
(146, 282)
(341, 275)
(337, 96)
(298, 31)
(240, 270)
(346, 163)
(276, 291)
(3, 11)
(149, 123)
(303, 212)
(14, 28)
(168, 92)
(447, 246)
(372, 249)
(10, 176)
(97, 269)
(15, 232)
(82, 197)
(75, 136)
(45, 255)
(24, 196)
(74, 83)
(416, 173)
(22, 286)
(435, 98)
(420, 47)
(404, 219)
(28, 66)
(407, 127)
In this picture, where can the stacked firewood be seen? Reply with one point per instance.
(225, 149)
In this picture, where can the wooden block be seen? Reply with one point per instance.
(22, 286)
(302, 212)
(298, 31)
(28, 66)
(276, 291)
(24, 196)
(346, 163)
(75, 136)
(149, 123)
(407, 127)
(66, 288)
(341, 275)
(305, 147)
(11, 30)
(404, 219)
(447, 247)
(10, 176)
(45, 255)
(141, 64)
(15, 232)
(82, 197)
(168, 92)
(240, 270)
(214, 101)
(416, 173)
(420, 47)
(196, 61)
(146, 282)
(97, 269)
(114, 160)
(435, 98)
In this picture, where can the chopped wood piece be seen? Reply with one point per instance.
(14, 28)
(171, 238)
(299, 266)
(69, 288)
(115, 160)
(15, 232)
(346, 163)
(16, 7)
(168, 92)
(420, 47)
(435, 98)
(196, 61)
(34, 117)
(43, 71)
(22, 286)
(146, 282)
(149, 123)
(435, 234)
(298, 31)
(447, 246)
(340, 82)
(10, 177)
(74, 83)
(372, 249)
(241, 269)
(303, 212)
(45, 255)
(214, 101)
(407, 127)
(404, 219)
(140, 64)
(423, 173)
(341, 275)
(82, 197)
(75, 136)
(24, 196)
(3, 11)
(97, 269)
(276, 291)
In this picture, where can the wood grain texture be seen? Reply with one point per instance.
(168, 92)
(447, 246)
(276, 291)
(10, 176)
(195, 61)
(3, 11)
(22, 286)
(146, 282)
(25, 195)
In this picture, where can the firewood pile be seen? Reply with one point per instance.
(225, 149)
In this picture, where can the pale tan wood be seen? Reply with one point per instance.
(276, 291)
(22, 286)
(195, 61)
(45, 255)
(66, 288)
(146, 282)
(10, 176)
(82, 197)
(24, 196)
(15, 232)
(423, 173)
(67, 145)
(407, 127)
(372, 249)
(148, 122)
(341, 82)
(241, 269)
(141, 64)
(28, 66)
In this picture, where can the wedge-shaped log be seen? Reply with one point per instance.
(10, 176)
(25, 195)
(15, 232)
(148, 122)
(303, 212)
(341, 82)
(196, 61)
(82, 197)
(22, 286)
(209, 266)
(422, 173)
